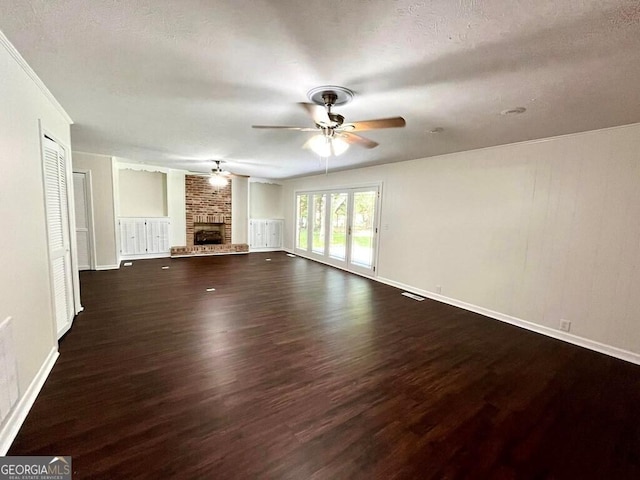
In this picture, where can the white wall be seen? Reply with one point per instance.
(142, 194)
(104, 214)
(539, 231)
(25, 291)
(266, 200)
(240, 210)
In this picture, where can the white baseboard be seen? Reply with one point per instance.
(65, 329)
(518, 322)
(107, 267)
(19, 413)
(612, 351)
(259, 250)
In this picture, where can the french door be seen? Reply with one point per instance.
(339, 227)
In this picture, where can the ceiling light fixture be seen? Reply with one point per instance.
(326, 146)
(217, 180)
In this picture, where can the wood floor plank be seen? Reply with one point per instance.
(291, 369)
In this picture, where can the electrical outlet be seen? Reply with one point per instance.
(438, 289)
(565, 325)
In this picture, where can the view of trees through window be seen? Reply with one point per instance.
(341, 224)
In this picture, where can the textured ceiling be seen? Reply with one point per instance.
(169, 82)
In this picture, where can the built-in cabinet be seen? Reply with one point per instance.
(144, 237)
(265, 234)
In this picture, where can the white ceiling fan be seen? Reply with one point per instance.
(218, 176)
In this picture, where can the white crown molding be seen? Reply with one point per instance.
(33, 76)
(21, 410)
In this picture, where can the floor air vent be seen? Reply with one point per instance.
(413, 295)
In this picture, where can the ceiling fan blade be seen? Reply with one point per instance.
(282, 127)
(318, 113)
(393, 122)
(352, 138)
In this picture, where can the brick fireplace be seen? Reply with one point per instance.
(208, 216)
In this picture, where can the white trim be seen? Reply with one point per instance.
(143, 167)
(530, 142)
(612, 351)
(19, 413)
(518, 322)
(89, 207)
(107, 267)
(67, 327)
(314, 259)
(264, 249)
(325, 258)
(4, 41)
(265, 180)
(115, 190)
(73, 239)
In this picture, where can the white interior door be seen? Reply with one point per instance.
(83, 232)
(58, 231)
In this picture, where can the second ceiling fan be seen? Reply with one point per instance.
(334, 135)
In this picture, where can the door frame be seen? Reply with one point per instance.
(88, 188)
(325, 258)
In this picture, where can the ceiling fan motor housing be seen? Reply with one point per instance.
(330, 95)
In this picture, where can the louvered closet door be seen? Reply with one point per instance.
(157, 235)
(55, 179)
(133, 237)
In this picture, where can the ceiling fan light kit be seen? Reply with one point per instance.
(217, 180)
(327, 146)
(218, 177)
(334, 135)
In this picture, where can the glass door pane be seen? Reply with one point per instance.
(363, 222)
(302, 222)
(338, 226)
(319, 219)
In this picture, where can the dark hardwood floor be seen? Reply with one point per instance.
(294, 370)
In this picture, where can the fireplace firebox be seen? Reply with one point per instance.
(208, 233)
